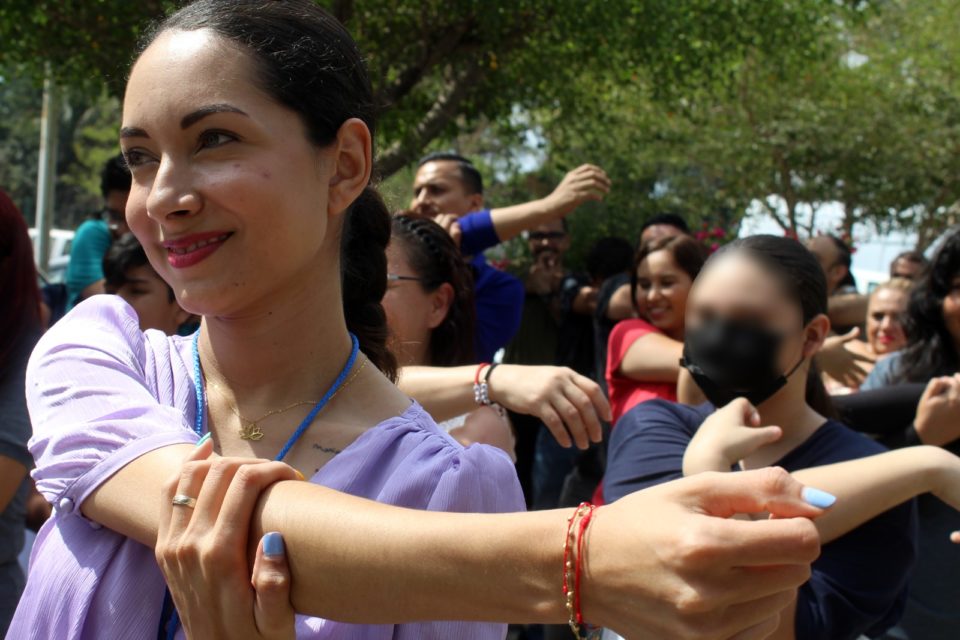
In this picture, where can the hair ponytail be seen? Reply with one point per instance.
(366, 233)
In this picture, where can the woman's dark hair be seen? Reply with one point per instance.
(306, 61)
(930, 349)
(115, 176)
(18, 283)
(803, 281)
(436, 259)
(689, 255)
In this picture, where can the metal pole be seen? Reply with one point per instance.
(47, 169)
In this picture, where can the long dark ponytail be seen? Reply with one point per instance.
(307, 61)
(802, 280)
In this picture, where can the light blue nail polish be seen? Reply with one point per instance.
(818, 498)
(273, 544)
(205, 437)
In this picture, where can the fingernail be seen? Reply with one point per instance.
(300, 476)
(818, 498)
(205, 437)
(273, 545)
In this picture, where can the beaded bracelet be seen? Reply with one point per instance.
(573, 566)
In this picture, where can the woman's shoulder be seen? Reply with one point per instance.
(884, 372)
(409, 461)
(632, 326)
(104, 331)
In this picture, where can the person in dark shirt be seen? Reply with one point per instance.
(756, 318)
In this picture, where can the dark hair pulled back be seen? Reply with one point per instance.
(802, 280)
(436, 259)
(306, 60)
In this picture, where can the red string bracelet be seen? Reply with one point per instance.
(578, 603)
(476, 376)
(571, 566)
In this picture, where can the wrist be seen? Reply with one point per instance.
(695, 462)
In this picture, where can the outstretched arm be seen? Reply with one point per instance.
(865, 487)
(583, 184)
(355, 560)
(571, 405)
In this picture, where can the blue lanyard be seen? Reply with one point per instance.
(174, 620)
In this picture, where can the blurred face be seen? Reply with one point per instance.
(548, 237)
(885, 320)
(902, 268)
(737, 288)
(439, 188)
(230, 200)
(951, 311)
(662, 290)
(659, 231)
(150, 298)
(116, 204)
(828, 255)
(412, 312)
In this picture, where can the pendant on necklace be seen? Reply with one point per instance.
(250, 431)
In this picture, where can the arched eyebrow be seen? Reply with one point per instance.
(188, 120)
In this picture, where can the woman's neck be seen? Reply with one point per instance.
(787, 409)
(291, 345)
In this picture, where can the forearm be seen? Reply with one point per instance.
(509, 222)
(445, 392)
(620, 306)
(867, 487)
(847, 310)
(359, 561)
(653, 358)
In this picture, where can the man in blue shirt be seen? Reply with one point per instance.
(449, 189)
(94, 236)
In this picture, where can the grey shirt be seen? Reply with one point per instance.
(15, 431)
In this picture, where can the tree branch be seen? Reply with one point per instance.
(439, 115)
(435, 53)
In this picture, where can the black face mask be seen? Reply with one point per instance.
(730, 360)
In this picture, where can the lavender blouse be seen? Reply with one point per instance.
(101, 394)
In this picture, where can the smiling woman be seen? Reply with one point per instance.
(247, 126)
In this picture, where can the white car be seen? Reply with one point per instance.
(60, 242)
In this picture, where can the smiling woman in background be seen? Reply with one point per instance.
(644, 353)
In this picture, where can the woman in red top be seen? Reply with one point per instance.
(643, 357)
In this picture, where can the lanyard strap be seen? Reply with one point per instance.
(170, 621)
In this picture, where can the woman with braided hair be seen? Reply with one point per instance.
(431, 316)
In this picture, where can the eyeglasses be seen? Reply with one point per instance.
(546, 235)
(392, 277)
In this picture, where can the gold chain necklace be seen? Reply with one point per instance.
(250, 429)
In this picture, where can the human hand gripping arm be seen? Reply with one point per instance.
(938, 412)
(203, 550)
(865, 487)
(729, 435)
(696, 574)
(585, 183)
(571, 405)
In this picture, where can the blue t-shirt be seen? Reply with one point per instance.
(499, 300)
(90, 244)
(499, 296)
(858, 585)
